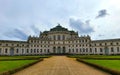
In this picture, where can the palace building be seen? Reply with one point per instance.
(60, 40)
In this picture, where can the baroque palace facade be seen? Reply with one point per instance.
(60, 40)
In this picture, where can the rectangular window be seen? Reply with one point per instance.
(48, 50)
(101, 50)
(31, 51)
(80, 50)
(17, 44)
(83, 50)
(86, 49)
(76, 50)
(37, 50)
(69, 50)
(0, 50)
(45, 50)
(6, 44)
(117, 43)
(63, 37)
(105, 44)
(41, 50)
(117, 49)
(54, 37)
(34, 50)
(90, 49)
(95, 49)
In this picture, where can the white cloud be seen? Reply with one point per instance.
(46, 14)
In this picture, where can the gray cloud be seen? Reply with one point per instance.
(20, 33)
(82, 27)
(16, 33)
(101, 35)
(35, 29)
(102, 13)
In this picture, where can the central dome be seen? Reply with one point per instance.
(59, 28)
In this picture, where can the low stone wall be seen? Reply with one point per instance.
(113, 72)
(20, 68)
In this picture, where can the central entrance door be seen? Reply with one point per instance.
(106, 51)
(59, 50)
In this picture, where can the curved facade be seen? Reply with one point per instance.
(59, 40)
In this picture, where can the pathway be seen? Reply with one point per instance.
(60, 65)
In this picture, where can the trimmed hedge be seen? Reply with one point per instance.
(20, 68)
(95, 58)
(113, 72)
(19, 59)
(25, 58)
(102, 58)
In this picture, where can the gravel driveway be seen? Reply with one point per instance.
(60, 65)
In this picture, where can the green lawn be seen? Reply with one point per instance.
(9, 65)
(112, 64)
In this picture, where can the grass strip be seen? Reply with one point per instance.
(10, 67)
(109, 70)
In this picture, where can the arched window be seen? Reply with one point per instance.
(112, 50)
(95, 49)
(73, 50)
(27, 50)
(17, 50)
(6, 50)
(22, 50)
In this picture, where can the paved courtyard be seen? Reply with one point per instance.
(60, 65)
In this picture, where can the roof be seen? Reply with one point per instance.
(9, 41)
(59, 28)
(117, 39)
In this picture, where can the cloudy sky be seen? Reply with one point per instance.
(98, 18)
